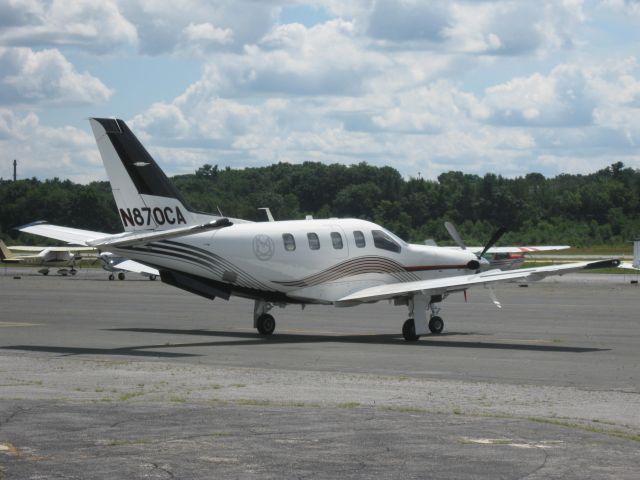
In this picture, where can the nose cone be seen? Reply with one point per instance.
(473, 265)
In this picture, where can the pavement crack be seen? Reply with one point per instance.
(540, 467)
(162, 469)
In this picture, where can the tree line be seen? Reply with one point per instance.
(580, 210)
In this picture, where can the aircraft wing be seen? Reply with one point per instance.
(525, 249)
(136, 267)
(441, 286)
(64, 234)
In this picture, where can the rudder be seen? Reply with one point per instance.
(145, 197)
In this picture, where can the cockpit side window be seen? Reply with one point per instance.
(336, 240)
(384, 241)
(314, 241)
(289, 242)
(358, 236)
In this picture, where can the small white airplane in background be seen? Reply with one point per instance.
(340, 262)
(635, 265)
(63, 258)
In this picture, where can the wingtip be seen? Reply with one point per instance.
(38, 222)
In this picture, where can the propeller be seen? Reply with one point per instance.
(496, 236)
(453, 231)
(476, 265)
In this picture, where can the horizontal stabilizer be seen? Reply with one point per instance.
(144, 238)
(73, 236)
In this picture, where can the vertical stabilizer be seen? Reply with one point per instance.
(636, 254)
(145, 197)
(5, 253)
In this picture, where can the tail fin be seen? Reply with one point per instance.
(145, 197)
(636, 254)
(5, 253)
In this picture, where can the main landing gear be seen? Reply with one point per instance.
(264, 322)
(417, 311)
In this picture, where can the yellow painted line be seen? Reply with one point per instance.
(19, 324)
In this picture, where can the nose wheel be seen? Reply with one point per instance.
(436, 324)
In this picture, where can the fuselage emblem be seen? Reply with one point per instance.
(263, 247)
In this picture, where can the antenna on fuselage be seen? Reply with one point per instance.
(268, 212)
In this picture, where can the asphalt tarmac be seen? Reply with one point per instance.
(136, 379)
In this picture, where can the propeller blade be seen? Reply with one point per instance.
(454, 234)
(494, 299)
(496, 236)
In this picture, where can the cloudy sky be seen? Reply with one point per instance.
(509, 87)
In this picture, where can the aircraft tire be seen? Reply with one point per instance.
(121, 276)
(409, 331)
(45, 273)
(152, 277)
(436, 324)
(111, 277)
(73, 271)
(266, 324)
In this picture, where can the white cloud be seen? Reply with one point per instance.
(47, 152)
(46, 77)
(163, 27)
(605, 95)
(505, 86)
(95, 25)
(484, 28)
(628, 7)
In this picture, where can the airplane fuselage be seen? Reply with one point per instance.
(316, 261)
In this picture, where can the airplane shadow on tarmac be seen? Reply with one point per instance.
(253, 339)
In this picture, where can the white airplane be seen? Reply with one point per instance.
(45, 257)
(340, 262)
(635, 265)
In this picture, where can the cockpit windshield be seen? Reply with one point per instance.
(383, 240)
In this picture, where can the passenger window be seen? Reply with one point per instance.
(289, 242)
(384, 241)
(336, 239)
(314, 241)
(359, 238)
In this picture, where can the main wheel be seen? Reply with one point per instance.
(266, 324)
(112, 276)
(121, 276)
(409, 331)
(73, 271)
(436, 324)
(152, 277)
